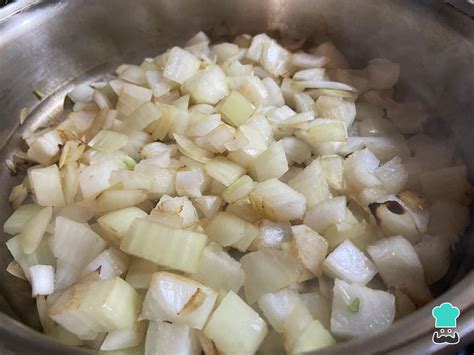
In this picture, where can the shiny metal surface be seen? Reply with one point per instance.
(49, 45)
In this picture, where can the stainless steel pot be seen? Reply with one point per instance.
(49, 45)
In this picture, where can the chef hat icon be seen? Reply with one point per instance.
(445, 315)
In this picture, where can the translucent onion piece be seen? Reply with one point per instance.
(42, 279)
(47, 186)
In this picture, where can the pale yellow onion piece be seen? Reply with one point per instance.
(95, 177)
(236, 109)
(167, 338)
(311, 248)
(313, 337)
(277, 201)
(267, 270)
(223, 170)
(15, 269)
(71, 152)
(143, 116)
(311, 182)
(327, 130)
(239, 189)
(181, 65)
(348, 263)
(107, 305)
(111, 200)
(234, 327)
(177, 249)
(46, 183)
(333, 169)
(325, 213)
(272, 163)
(18, 195)
(17, 221)
(207, 86)
(219, 270)
(178, 299)
(118, 222)
(190, 149)
(229, 230)
(124, 338)
(108, 141)
(140, 272)
(131, 97)
(278, 306)
(34, 229)
(71, 181)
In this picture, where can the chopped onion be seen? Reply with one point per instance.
(267, 270)
(42, 279)
(325, 213)
(167, 338)
(223, 170)
(177, 249)
(177, 299)
(272, 163)
(124, 338)
(33, 231)
(46, 184)
(235, 327)
(311, 183)
(278, 201)
(236, 109)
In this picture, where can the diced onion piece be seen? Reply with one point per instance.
(272, 163)
(75, 242)
(311, 183)
(223, 170)
(42, 256)
(15, 269)
(144, 115)
(207, 86)
(358, 311)
(278, 306)
(234, 327)
(190, 149)
(219, 270)
(333, 169)
(178, 206)
(140, 272)
(309, 74)
(108, 141)
(124, 338)
(16, 222)
(236, 109)
(131, 180)
(275, 96)
(239, 189)
(89, 308)
(277, 201)
(118, 222)
(110, 263)
(400, 267)
(33, 231)
(95, 178)
(267, 270)
(359, 169)
(177, 249)
(191, 183)
(167, 338)
(116, 199)
(42, 280)
(327, 130)
(132, 97)
(18, 195)
(229, 230)
(325, 213)
(133, 74)
(348, 263)
(322, 84)
(255, 50)
(81, 93)
(298, 319)
(274, 58)
(45, 149)
(296, 150)
(181, 65)
(179, 300)
(393, 175)
(314, 337)
(336, 109)
(311, 248)
(209, 205)
(46, 184)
